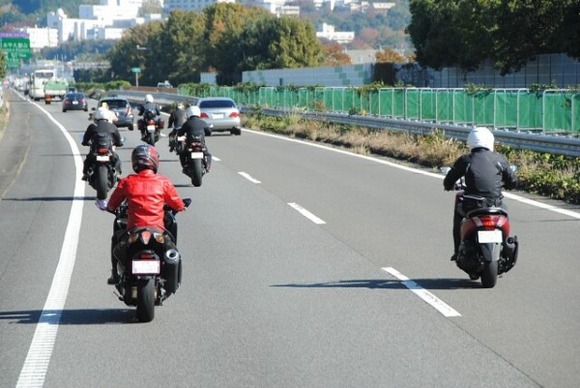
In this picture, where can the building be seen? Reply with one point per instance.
(191, 5)
(326, 31)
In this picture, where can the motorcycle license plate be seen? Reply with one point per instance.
(103, 158)
(489, 236)
(145, 267)
(151, 128)
(197, 155)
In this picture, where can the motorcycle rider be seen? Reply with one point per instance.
(194, 126)
(102, 132)
(485, 173)
(146, 193)
(149, 110)
(176, 119)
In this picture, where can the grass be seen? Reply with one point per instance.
(553, 176)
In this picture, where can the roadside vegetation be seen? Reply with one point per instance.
(553, 176)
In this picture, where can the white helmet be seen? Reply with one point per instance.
(102, 113)
(193, 111)
(480, 137)
(180, 105)
(148, 98)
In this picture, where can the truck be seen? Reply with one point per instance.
(54, 89)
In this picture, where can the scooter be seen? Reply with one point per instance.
(486, 249)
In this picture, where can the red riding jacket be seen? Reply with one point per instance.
(146, 192)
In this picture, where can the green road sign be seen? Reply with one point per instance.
(136, 69)
(16, 49)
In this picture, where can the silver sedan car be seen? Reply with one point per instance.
(221, 113)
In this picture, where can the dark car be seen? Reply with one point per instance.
(221, 113)
(75, 101)
(122, 108)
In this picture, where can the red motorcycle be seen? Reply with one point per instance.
(486, 249)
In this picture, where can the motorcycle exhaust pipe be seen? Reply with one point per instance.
(172, 270)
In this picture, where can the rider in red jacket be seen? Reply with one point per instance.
(146, 192)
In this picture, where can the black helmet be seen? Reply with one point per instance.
(144, 156)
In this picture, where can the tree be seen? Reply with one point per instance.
(2, 64)
(465, 33)
(182, 44)
(279, 43)
(334, 55)
(389, 56)
(138, 48)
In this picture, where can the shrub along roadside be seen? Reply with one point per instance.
(553, 176)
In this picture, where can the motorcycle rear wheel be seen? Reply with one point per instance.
(145, 300)
(102, 182)
(196, 172)
(489, 274)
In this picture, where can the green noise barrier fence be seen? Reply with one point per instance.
(550, 111)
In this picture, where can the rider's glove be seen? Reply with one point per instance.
(101, 204)
(85, 143)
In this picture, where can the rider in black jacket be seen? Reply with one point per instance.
(194, 126)
(485, 171)
(176, 119)
(101, 132)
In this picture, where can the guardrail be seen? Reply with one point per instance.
(554, 144)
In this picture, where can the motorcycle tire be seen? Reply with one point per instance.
(145, 300)
(150, 139)
(489, 274)
(196, 172)
(102, 181)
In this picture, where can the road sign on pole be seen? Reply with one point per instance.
(136, 70)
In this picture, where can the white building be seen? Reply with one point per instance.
(41, 37)
(191, 5)
(326, 31)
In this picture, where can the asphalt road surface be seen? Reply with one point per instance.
(304, 266)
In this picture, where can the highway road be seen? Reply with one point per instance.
(304, 266)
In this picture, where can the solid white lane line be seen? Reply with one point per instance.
(515, 197)
(422, 293)
(248, 177)
(306, 213)
(35, 366)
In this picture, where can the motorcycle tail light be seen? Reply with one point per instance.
(103, 151)
(490, 222)
(147, 256)
(145, 236)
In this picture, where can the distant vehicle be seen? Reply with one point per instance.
(122, 108)
(164, 84)
(54, 89)
(38, 79)
(222, 113)
(75, 101)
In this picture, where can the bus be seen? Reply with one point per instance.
(37, 80)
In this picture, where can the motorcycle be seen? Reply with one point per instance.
(486, 249)
(195, 152)
(150, 127)
(102, 174)
(149, 274)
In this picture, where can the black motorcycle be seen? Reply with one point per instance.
(150, 272)
(195, 154)
(150, 126)
(102, 174)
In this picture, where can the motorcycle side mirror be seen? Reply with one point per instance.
(187, 202)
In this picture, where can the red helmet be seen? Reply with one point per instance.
(145, 156)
